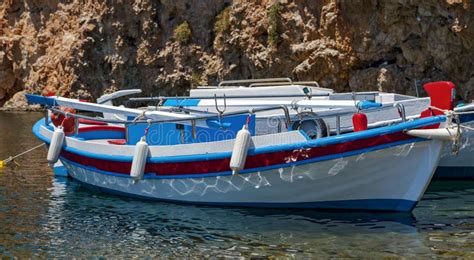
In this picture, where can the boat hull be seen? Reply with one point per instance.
(461, 165)
(389, 179)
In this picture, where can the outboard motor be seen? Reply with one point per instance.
(442, 95)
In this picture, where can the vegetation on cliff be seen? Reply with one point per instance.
(273, 19)
(182, 33)
(222, 27)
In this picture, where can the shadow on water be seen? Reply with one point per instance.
(76, 214)
(323, 219)
(451, 185)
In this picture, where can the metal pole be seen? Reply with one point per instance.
(76, 126)
(145, 99)
(244, 81)
(193, 129)
(46, 116)
(416, 87)
(126, 133)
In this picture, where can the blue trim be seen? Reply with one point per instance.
(366, 104)
(214, 123)
(100, 134)
(454, 173)
(466, 118)
(158, 134)
(304, 134)
(364, 204)
(264, 168)
(269, 149)
(36, 131)
(181, 102)
(37, 99)
(60, 171)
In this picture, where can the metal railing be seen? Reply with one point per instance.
(337, 113)
(301, 83)
(138, 120)
(164, 98)
(247, 81)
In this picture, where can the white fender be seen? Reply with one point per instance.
(239, 152)
(55, 146)
(139, 160)
(444, 134)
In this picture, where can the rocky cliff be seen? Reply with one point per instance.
(84, 48)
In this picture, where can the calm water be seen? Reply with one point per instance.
(43, 216)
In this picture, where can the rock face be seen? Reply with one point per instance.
(83, 48)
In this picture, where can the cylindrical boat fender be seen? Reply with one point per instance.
(139, 160)
(443, 134)
(240, 150)
(55, 146)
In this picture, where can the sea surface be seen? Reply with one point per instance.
(46, 216)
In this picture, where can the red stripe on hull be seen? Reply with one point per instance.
(255, 161)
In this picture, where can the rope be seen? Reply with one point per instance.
(141, 115)
(467, 127)
(447, 111)
(451, 114)
(3, 163)
(147, 128)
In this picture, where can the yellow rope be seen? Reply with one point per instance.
(3, 163)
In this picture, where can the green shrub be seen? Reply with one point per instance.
(273, 19)
(196, 78)
(222, 23)
(182, 33)
(221, 26)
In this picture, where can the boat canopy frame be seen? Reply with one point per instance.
(337, 113)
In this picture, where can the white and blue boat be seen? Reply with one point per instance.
(255, 93)
(202, 158)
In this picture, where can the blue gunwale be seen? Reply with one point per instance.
(269, 149)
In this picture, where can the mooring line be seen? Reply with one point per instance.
(3, 163)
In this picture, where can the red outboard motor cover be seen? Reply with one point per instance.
(442, 94)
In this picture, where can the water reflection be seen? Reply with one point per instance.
(128, 224)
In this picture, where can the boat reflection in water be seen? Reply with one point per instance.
(78, 219)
